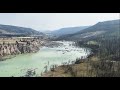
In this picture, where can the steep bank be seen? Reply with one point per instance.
(19, 47)
(80, 68)
(90, 67)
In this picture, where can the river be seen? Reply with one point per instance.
(18, 65)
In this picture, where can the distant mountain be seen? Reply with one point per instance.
(16, 30)
(47, 32)
(108, 28)
(69, 30)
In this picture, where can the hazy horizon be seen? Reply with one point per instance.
(54, 21)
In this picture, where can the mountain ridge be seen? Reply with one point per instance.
(10, 29)
(68, 30)
(100, 28)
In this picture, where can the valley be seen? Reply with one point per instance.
(43, 60)
(83, 51)
(104, 40)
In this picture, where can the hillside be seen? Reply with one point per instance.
(108, 28)
(103, 39)
(15, 30)
(69, 30)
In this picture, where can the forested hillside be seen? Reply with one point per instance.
(8, 29)
(107, 28)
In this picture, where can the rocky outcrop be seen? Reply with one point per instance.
(20, 47)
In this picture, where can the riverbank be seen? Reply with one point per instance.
(42, 60)
(52, 44)
(7, 57)
(78, 69)
(94, 65)
(9, 47)
(89, 67)
(82, 67)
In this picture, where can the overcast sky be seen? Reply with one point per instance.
(53, 21)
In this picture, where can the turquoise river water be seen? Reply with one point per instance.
(18, 65)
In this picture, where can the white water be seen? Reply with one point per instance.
(46, 56)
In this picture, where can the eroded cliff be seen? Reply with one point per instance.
(20, 47)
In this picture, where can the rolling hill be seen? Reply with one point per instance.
(69, 30)
(15, 30)
(107, 28)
